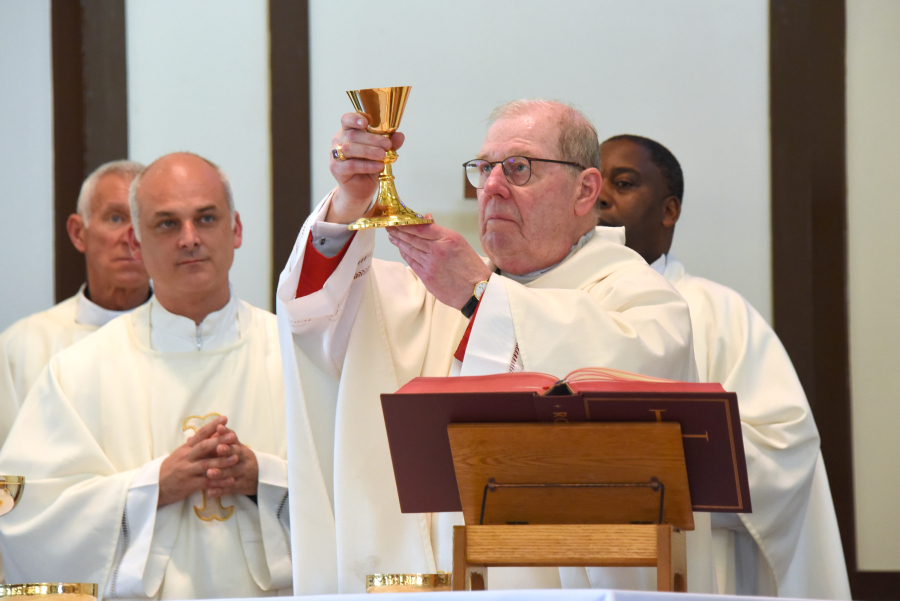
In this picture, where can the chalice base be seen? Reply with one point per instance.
(402, 217)
(393, 212)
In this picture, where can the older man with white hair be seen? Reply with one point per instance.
(116, 283)
(554, 294)
(154, 450)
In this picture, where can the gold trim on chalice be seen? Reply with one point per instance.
(407, 583)
(45, 589)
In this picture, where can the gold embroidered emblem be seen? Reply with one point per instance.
(209, 511)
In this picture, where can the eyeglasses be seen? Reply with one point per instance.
(516, 169)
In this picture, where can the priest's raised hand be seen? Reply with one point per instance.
(357, 159)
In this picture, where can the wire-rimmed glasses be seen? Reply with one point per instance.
(517, 169)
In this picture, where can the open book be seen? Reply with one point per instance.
(580, 380)
(417, 415)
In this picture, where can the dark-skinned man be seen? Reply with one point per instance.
(789, 546)
(154, 450)
(353, 327)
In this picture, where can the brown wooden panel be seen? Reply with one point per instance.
(90, 113)
(575, 454)
(809, 245)
(68, 141)
(576, 545)
(105, 85)
(290, 129)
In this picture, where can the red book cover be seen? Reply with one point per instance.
(416, 418)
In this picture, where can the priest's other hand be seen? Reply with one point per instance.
(357, 175)
(240, 477)
(184, 472)
(444, 261)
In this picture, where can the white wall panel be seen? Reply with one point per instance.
(691, 74)
(873, 212)
(26, 159)
(198, 80)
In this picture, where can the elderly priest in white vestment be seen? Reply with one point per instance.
(154, 450)
(790, 545)
(116, 283)
(554, 294)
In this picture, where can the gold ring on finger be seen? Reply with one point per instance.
(337, 154)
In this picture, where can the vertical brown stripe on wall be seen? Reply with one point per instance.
(105, 86)
(809, 243)
(68, 141)
(90, 113)
(290, 127)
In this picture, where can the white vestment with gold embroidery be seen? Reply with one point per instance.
(789, 545)
(374, 326)
(93, 432)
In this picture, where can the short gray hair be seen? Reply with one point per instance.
(578, 140)
(123, 168)
(136, 182)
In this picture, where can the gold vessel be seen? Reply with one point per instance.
(11, 488)
(407, 583)
(60, 591)
(383, 108)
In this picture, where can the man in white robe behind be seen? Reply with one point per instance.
(135, 443)
(790, 545)
(555, 294)
(116, 283)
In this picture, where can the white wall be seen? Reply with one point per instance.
(198, 80)
(26, 159)
(873, 212)
(693, 75)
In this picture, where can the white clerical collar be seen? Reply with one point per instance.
(89, 313)
(530, 277)
(171, 333)
(659, 265)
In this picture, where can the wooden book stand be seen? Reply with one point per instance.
(580, 494)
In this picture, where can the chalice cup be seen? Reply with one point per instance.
(11, 488)
(383, 108)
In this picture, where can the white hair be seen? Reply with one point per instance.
(577, 141)
(136, 183)
(123, 168)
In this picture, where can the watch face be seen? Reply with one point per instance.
(479, 289)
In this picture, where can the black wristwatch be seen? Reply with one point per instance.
(470, 306)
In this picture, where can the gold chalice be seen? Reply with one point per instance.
(11, 488)
(383, 108)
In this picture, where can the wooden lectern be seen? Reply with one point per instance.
(571, 494)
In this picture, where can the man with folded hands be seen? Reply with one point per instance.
(154, 450)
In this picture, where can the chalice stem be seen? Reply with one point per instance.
(387, 192)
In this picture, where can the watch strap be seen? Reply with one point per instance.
(470, 306)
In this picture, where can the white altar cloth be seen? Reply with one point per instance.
(531, 595)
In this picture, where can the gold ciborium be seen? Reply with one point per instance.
(11, 488)
(383, 108)
(50, 591)
(407, 583)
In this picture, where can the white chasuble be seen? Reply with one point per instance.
(374, 326)
(27, 345)
(791, 539)
(93, 432)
